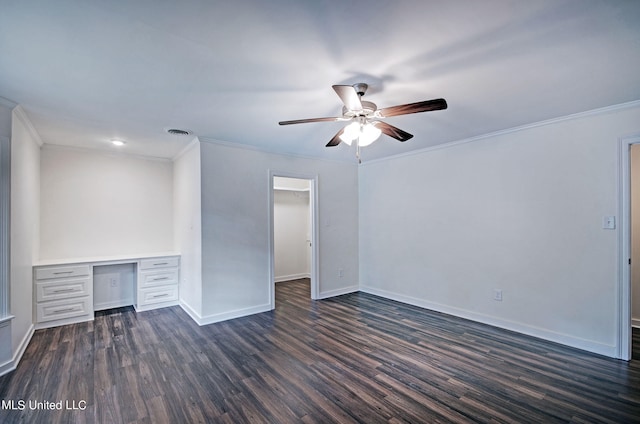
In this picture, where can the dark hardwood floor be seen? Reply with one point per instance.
(353, 358)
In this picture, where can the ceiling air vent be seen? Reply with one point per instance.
(176, 131)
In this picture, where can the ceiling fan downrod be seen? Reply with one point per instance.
(360, 88)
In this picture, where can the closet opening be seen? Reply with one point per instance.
(293, 230)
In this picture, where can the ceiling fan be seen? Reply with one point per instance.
(366, 126)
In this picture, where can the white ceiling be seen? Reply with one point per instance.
(87, 71)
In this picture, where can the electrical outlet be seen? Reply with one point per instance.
(341, 273)
(114, 282)
(497, 295)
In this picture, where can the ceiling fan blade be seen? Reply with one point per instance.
(336, 139)
(349, 97)
(304, 121)
(392, 131)
(426, 106)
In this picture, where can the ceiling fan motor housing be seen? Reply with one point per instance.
(368, 109)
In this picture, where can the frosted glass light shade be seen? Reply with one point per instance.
(365, 134)
(350, 133)
(368, 134)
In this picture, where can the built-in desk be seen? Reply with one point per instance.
(63, 291)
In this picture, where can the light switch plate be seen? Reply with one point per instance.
(609, 222)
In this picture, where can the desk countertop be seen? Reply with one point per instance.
(101, 259)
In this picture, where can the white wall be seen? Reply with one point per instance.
(188, 226)
(291, 222)
(235, 227)
(6, 108)
(521, 212)
(6, 362)
(635, 234)
(100, 204)
(113, 286)
(25, 218)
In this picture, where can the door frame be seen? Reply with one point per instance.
(5, 228)
(313, 207)
(623, 299)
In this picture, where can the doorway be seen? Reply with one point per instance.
(629, 256)
(635, 234)
(293, 206)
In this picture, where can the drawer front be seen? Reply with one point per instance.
(61, 309)
(158, 295)
(45, 273)
(159, 263)
(158, 278)
(62, 289)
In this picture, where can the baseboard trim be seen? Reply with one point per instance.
(564, 339)
(7, 367)
(12, 364)
(114, 304)
(224, 316)
(338, 292)
(190, 311)
(291, 277)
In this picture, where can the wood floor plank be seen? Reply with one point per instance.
(355, 358)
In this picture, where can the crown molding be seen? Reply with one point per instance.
(253, 148)
(7, 103)
(105, 152)
(22, 116)
(186, 148)
(593, 112)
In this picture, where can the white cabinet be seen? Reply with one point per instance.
(160, 263)
(157, 282)
(62, 288)
(62, 295)
(46, 272)
(65, 311)
(63, 292)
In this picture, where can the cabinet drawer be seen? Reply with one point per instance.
(158, 278)
(158, 295)
(60, 309)
(159, 263)
(62, 289)
(62, 271)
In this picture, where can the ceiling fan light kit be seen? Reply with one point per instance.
(361, 132)
(365, 118)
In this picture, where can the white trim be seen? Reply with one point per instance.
(12, 364)
(212, 319)
(7, 367)
(565, 339)
(189, 310)
(315, 251)
(251, 147)
(338, 292)
(599, 111)
(4, 321)
(113, 304)
(186, 148)
(105, 152)
(22, 116)
(623, 298)
(282, 278)
(295, 190)
(7, 103)
(5, 225)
